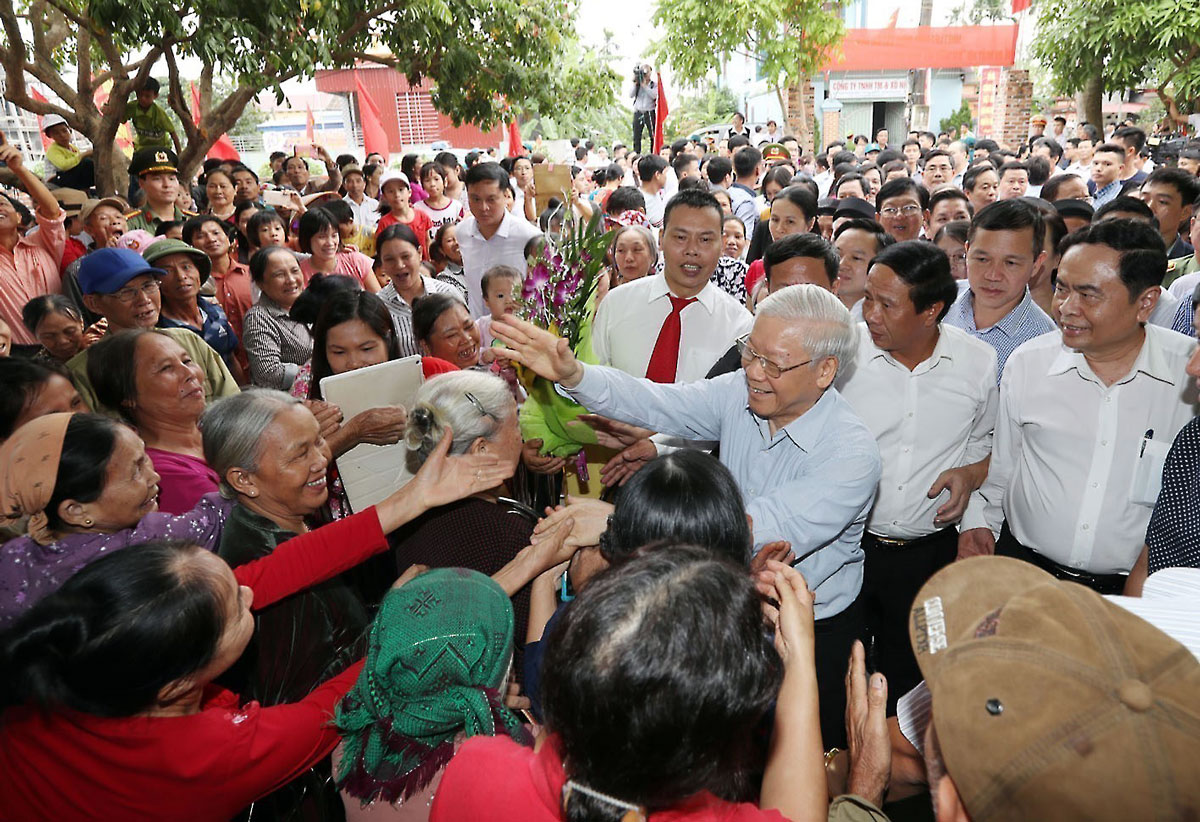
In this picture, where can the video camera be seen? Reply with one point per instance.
(639, 74)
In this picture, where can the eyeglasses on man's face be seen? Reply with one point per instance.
(772, 370)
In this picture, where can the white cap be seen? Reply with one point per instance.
(51, 120)
(394, 176)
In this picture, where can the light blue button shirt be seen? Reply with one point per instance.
(812, 483)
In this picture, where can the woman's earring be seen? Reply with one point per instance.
(87, 523)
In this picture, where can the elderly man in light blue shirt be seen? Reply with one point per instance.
(807, 466)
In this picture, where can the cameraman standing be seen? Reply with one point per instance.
(644, 92)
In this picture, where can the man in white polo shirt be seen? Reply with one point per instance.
(1083, 409)
(928, 393)
(491, 235)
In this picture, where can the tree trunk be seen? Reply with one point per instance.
(1091, 100)
(799, 118)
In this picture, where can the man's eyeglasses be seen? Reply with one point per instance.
(907, 211)
(772, 370)
(128, 295)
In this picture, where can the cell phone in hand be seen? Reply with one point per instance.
(277, 199)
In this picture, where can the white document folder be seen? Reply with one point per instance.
(370, 473)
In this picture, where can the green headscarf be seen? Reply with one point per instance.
(439, 649)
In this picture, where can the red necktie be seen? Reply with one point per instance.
(664, 360)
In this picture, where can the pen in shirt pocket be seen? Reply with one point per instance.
(1145, 439)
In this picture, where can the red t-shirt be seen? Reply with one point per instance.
(494, 778)
(204, 766)
(420, 224)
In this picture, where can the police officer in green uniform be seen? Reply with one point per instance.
(158, 175)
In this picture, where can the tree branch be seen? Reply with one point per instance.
(176, 101)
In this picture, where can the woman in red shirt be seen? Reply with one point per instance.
(110, 707)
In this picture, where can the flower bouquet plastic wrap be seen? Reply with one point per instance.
(558, 294)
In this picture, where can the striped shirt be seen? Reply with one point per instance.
(402, 312)
(1183, 318)
(276, 345)
(1020, 325)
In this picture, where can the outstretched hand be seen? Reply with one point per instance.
(867, 730)
(793, 619)
(444, 479)
(538, 350)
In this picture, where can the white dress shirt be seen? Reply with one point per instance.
(506, 247)
(656, 206)
(630, 317)
(939, 415)
(366, 214)
(1066, 447)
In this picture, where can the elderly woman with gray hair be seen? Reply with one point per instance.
(486, 530)
(806, 464)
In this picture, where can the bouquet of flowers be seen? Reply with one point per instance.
(558, 295)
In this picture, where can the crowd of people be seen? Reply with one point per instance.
(894, 500)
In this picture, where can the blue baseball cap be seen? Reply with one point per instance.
(107, 270)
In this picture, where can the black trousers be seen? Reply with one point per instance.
(642, 120)
(1007, 546)
(834, 637)
(82, 176)
(892, 577)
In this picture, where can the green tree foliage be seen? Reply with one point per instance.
(1115, 45)
(980, 11)
(962, 117)
(484, 57)
(790, 39)
(715, 104)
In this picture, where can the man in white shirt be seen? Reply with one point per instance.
(652, 173)
(632, 318)
(747, 167)
(366, 209)
(1080, 409)
(491, 235)
(928, 393)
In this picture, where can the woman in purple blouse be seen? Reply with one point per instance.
(89, 489)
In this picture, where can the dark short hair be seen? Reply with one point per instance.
(1133, 136)
(115, 633)
(313, 222)
(972, 174)
(746, 161)
(482, 172)
(243, 168)
(987, 145)
(682, 160)
(717, 169)
(1010, 215)
(802, 245)
(342, 307)
(1111, 148)
(339, 209)
(644, 711)
(780, 175)
(1186, 184)
(1143, 255)
(625, 198)
(1013, 165)
(925, 268)
(691, 198)
(40, 307)
(650, 164)
(850, 178)
(320, 290)
(1126, 204)
(261, 220)
(192, 226)
(1052, 144)
(1050, 187)
(261, 258)
(737, 141)
(847, 157)
(426, 311)
(150, 84)
(899, 187)
(872, 227)
(949, 193)
(937, 152)
(21, 380)
(684, 496)
(956, 230)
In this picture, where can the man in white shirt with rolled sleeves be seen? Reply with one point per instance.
(927, 391)
(491, 235)
(1086, 415)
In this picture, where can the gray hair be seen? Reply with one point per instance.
(233, 427)
(447, 401)
(826, 326)
(646, 234)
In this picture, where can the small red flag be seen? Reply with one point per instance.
(375, 139)
(660, 114)
(223, 148)
(310, 125)
(1020, 5)
(515, 148)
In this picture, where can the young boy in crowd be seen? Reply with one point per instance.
(68, 166)
(499, 295)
